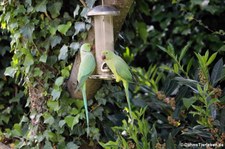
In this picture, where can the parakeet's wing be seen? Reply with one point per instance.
(86, 68)
(122, 69)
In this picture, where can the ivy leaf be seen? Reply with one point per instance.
(75, 47)
(76, 11)
(27, 31)
(98, 112)
(61, 123)
(28, 2)
(52, 30)
(54, 9)
(10, 71)
(48, 119)
(74, 111)
(56, 93)
(72, 145)
(79, 104)
(41, 7)
(43, 58)
(84, 12)
(20, 10)
(71, 120)
(17, 131)
(79, 27)
(63, 53)
(65, 73)
(54, 40)
(28, 60)
(63, 28)
(90, 3)
(53, 105)
(59, 81)
(47, 145)
(37, 72)
(52, 60)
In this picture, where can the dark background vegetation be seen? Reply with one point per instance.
(175, 50)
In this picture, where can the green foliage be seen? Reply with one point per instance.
(176, 50)
(130, 135)
(152, 23)
(42, 43)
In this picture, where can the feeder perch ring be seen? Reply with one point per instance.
(103, 77)
(104, 67)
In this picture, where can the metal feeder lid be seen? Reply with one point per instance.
(103, 10)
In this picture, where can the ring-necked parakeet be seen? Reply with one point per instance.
(86, 68)
(121, 71)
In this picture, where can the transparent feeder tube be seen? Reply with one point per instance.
(104, 37)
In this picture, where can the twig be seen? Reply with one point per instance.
(46, 14)
(83, 3)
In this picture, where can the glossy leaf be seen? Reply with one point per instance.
(217, 72)
(10, 71)
(71, 120)
(63, 28)
(55, 93)
(79, 27)
(54, 9)
(63, 53)
(59, 81)
(211, 59)
(72, 145)
(28, 60)
(170, 142)
(41, 7)
(183, 52)
(55, 40)
(188, 102)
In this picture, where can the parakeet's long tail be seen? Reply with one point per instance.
(85, 106)
(126, 84)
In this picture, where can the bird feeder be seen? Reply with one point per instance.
(104, 37)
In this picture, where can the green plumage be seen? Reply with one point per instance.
(121, 71)
(86, 68)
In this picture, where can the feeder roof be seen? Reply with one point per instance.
(103, 10)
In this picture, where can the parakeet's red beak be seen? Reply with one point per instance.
(103, 57)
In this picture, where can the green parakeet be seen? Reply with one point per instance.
(86, 68)
(121, 71)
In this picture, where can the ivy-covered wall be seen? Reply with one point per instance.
(176, 53)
